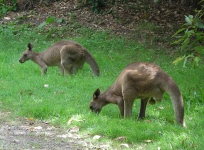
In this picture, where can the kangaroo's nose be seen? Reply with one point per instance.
(91, 107)
(20, 61)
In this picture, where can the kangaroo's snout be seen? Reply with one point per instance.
(94, 109)
(21, 61)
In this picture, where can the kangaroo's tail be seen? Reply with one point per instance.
(92, 62)
(173, 90)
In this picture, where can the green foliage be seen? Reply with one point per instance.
(47, 22)
(191, 38)
(13, 30)
(4, 7)
(97, 5)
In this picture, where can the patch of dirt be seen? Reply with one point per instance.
(27, 133)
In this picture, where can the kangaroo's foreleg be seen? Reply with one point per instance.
(62, 70)
(128, 108)
(67, 66)
(143, 105)
(120, 103)
(128, 98)
(44, 70)
(43, 67)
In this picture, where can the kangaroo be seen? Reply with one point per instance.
(69, 56)
(144, 81)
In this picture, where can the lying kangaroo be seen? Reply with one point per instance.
(67, 55)
(143, 81)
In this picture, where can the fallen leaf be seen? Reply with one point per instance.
(31, 128)
(148, 121)
(121, 138)
(38, 128)
(76, 118)
(161, 107)
(7, 18)
(46, 85)
(148, 141)
(51, 128)
(103, 147)
(31, 121)
(65, 136)
(74, 129)
(70, 121)
(124, 145)
(96, 137)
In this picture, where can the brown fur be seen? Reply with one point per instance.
(143, 81)
(67, 55)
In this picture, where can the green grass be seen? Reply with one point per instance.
(23, 91)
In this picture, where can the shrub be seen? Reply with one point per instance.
(6, 6)
(191, 38)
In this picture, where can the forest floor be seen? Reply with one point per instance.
(155, 23)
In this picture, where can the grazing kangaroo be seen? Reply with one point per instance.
(67, 55)
(143, 81)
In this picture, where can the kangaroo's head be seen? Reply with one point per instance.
(27, 54)
(97, 102)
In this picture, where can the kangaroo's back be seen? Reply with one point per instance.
(142, 77)
(52, 55)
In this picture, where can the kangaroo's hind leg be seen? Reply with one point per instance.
(62, 69)
(78, 65)
(66, 67)
(143, 108)
(158, 95)
(68, 60)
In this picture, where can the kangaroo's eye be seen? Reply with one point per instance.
(25, 55)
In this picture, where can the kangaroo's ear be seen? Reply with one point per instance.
(30, 46)
(96, 94)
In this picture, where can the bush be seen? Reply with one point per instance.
(6, 6)
(191, 37)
